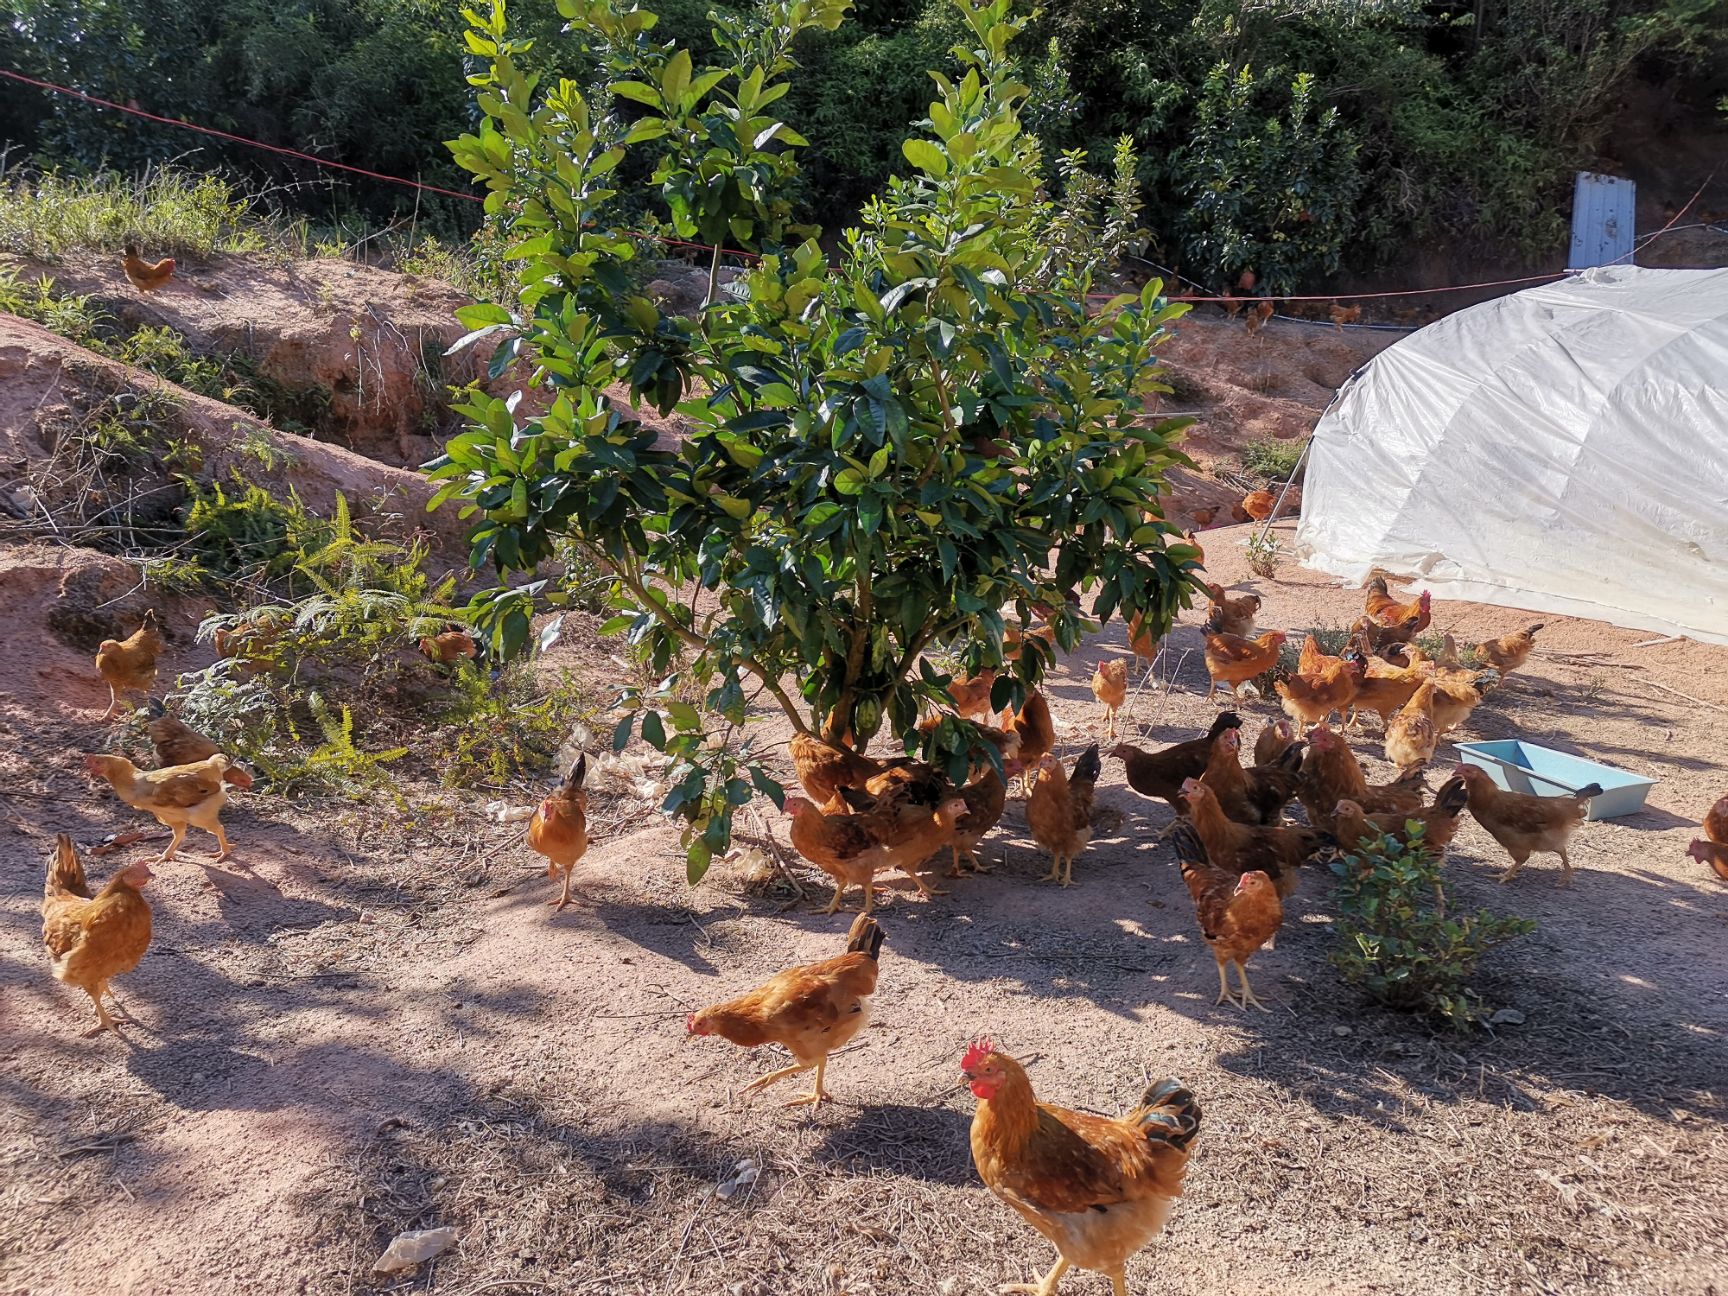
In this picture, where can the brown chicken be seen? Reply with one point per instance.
(1014, 641)
(1232, 616)
(1097, 1189)
(1238, 913)
(1310, 696)
(824, 768)
(251, 641)
(93, 939)
(1384, 610)
(450, 647)
(1439, 821)
(1457, 694)
(1189, 538)
(129, 665)
(1110, 687)
(146, 276)
(1257, 796)
(1413, 735)
(179, 796)
(1238, 848)
(1033, 733)
(853, 848)
(1711, 853)
(1331, 773)
(1385, 689)
(1342, 315)
(559, 828)
(810, 1011)
(986, 797)
(1059, 811)
(1259, 316)
(1234, 661)
(1716, 822)
(1161, 774)
(1510, 651)
(1141, 642)
(1524, 825)
(179, 744)
(1258, 505)
(1278, 737)
(972, 696)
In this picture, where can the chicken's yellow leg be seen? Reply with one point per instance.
(1224, 991)
(174, 845)
(103, 1020)
(773, 1077)
(840, 894)
(1118, 1284)
(1046, 1286)
(1248, 990)
(221, 840)
(817, 1096)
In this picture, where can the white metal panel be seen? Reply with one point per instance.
(1603, 223)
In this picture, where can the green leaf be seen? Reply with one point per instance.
(653, 730)
(696, 859)
(642, 94)
(675, 79)
(926, 156)
(621, 734)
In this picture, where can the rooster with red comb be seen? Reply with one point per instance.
(1098, 1189)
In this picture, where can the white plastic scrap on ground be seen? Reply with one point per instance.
(745, 1173)
(505, 813)
(637, 774)
(408, 1249)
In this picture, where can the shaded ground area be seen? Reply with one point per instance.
(368, 1021)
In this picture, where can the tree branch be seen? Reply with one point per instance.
(662, 614)
(948, 427)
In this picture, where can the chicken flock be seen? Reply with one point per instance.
(1098, 1188)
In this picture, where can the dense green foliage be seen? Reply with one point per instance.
(1397, 939)
(915, 447)
(1294, 138)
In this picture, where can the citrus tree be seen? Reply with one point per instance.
(890, 459)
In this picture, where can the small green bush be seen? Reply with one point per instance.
(1272, 460)
(244, 531)
(1398, 939)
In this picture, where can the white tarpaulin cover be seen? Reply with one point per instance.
(1564, 449)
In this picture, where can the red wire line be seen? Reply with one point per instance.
(237, 139)
(704, 247)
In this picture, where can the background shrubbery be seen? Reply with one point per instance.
(1299, 138)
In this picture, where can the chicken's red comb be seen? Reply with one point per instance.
(981, 1049)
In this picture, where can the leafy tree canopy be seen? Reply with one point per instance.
(935, 438)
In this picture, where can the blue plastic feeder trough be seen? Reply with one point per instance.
(1540, 771)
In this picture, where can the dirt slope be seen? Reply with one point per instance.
(372, 1023)
(48, 385)
(367, 344)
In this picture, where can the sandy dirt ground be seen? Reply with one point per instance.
(369, 1021)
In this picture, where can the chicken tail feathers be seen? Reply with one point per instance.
(1587, 791)
(1225, 720)
(1452, 797)
(578, 771)
(865, 937)
(1088, 767)
(65, 872)
(157, 709)
(1169, 1114)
